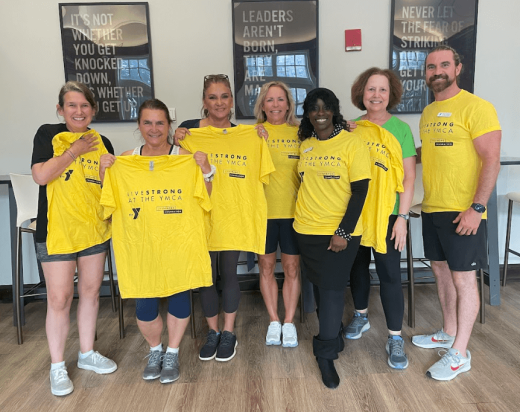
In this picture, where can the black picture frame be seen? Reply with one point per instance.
(108, 47)
(417, 27)
(274, 40)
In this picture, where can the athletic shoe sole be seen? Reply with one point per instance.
(358, 336)
(97, 370)
(231, 357)
(433, 345)
(400, 367)
(290, 345)
(449, 378)
(63, 392)
(210, 358)
(273, 343)
(169, 380)
(151, 378)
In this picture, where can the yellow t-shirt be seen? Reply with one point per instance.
(284, 183)
(239, 214)
(75, 217)
(158, 205)
(386, 158)
(451, 165)
(326, 168)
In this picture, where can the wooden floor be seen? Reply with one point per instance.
(262, 378)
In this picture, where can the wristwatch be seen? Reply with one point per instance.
(405, 217)
(477, 207)
(208, 177)
(341, 233)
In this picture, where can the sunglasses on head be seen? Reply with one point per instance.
(215, 77)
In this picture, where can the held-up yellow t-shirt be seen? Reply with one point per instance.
(239, 214)
(451, 165)
(326, 168)
(284, 183)
(160, 243)
(75, 217)
(386, 159)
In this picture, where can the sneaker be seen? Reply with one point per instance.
(227, 347)
(451, 364)
(97, 363)
(153, 367)
(357, 326)
(209, 350)
(61, 384)
(273, 333)
(170, 368)
(290, 337)
(439, 339)
(397, 359)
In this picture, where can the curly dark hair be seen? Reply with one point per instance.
(329, 98)
(358, 88)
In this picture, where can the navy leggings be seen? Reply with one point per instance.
(227, 262)
(147, 309)
(388, 267)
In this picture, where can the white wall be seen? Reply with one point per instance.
(194, 38)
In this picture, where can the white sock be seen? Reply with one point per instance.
(57, 365)
(86, 355)
(172, 350)
(158, 347)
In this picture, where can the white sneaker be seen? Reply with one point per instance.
(273, 334)
(61, 384)
(290, 337)
(438, 339)
(97, 363)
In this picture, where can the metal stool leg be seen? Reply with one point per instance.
(17, 298)
(411, 277)
(302, 304)
(111, 278)
(121, 317)
(192, 320)
(508, 237)
(482, 298)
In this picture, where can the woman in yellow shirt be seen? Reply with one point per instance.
(275, 110)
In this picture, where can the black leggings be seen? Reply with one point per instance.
(227, 263)
(330, 304)
(388, 267)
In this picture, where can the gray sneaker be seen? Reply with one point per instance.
(97, 363)
(397, 359)
(61, 384)
(439, 339)
(170, 368)
(357, 326)
(153, 367)
(450, 365)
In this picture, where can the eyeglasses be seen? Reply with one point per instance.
(216, 77)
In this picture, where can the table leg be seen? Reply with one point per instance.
(492, 232)
(12, 226)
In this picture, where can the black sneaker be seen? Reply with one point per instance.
(226, 348)
(209, 350)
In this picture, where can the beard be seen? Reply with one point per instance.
(438, 87)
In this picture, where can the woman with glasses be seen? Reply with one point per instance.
(275, 110)
(239, 214)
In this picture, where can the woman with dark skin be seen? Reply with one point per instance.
(335, 170)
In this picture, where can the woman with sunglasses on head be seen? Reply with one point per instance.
(71, 233)
(334, 168)
(239, 214)
(275, 110)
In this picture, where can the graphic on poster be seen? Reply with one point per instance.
(274, 41)
(107, 47)
(419, 26)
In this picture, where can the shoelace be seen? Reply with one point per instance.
(60, 375)
(226, 339)
(98, 358)
(396, 346)
(274, 328)
(358, 320)
(169, 359)
(212, 339)
(448, 358)
(440, 335)
(289, 331)
(154, 357)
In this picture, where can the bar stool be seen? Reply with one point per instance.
(513, 197)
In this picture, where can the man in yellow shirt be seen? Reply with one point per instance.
(460, 136)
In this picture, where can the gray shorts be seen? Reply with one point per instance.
(43, 256)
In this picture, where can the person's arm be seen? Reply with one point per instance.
(202, 160)
(348, 223)
(405, 201)
(47, 171)
(488, 149)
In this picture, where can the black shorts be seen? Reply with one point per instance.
(43, 255)
(280, 231)
(442, 243)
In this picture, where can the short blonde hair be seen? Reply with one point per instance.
(290, 117)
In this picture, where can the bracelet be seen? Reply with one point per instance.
(405, 217)
(208, 177)
(341, 233)
(71, 154)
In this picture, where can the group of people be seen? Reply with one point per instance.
(328, 193)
